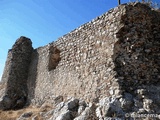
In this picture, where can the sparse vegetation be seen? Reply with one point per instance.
(150, 3)
(13, 115)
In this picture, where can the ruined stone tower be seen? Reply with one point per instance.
(17, 74)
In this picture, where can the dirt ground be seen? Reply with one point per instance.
(14, 114)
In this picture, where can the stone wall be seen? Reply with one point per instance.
(86, 66)
(115, 55)
(137, 50)
(17, 73)
(117, 51)
(7, 68)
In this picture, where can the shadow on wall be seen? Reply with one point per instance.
(54, 58)
(137, 57)
(32, 76)
(137, 52)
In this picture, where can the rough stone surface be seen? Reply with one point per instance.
(16, 90)
(111, 62)
(25, 116)
(54, 57)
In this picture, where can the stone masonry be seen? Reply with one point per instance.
(112, 60)
(16, 90)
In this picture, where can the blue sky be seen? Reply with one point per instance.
(43, 21)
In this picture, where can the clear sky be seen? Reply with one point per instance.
(43, 21)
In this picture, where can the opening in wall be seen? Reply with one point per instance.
(54, 57)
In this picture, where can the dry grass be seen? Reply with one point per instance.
(13, 115)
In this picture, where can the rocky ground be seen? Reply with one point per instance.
(108, 108)
(29, 113)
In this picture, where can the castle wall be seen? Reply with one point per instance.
(86, 66)
(116, 53)
(101, 58)
(137, 52)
